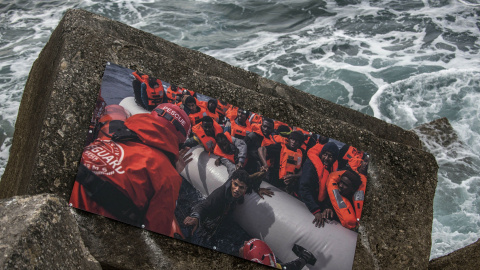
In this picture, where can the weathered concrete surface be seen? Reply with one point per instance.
(39, 232)
(62, 88)
(466, 258)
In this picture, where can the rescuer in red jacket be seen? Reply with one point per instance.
(134, 176)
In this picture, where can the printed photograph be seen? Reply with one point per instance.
(195, 168)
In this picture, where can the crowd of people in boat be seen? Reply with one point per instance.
(130, 167)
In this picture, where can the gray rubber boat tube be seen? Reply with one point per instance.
(281, 221)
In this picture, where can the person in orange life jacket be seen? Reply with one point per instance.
(346, 153)
(195, 112)
(261, 135)
(341, 187)
(282, 132)
(204, 133)
(208, 215)
(148, 91)
(232, 152)
(134, 176)
(240, 126)
(211, 109)
(313, 180)
(286, 162)
(359, 165)
(256, 250)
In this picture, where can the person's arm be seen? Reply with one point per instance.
(242, 150)
(262, 154)
(307, 190)
(191, 142)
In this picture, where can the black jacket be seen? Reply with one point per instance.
(218, 205)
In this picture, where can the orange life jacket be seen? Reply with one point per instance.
(359, 195)
(280, 139)
(173, 94)
(239, 131)
(289, 161)
(266, 141)
(314, 155)
(351, 153)
(222, 108)
(204, 107)
(208, 142)
(217, 151)
(232, 113)
(155, 94)
(342, 205)
(196, 117)
(255, 118)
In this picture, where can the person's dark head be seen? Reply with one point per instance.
(364, 164)
(191, 104)
(241, 183)
(242, 116)
(212, 105)
(329, 154)
(295, 140)
(283, 131)
(222, 142)
(267, 126)
(207, 125)
(349, 183)
(322, 139)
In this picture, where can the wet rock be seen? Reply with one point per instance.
(39, 232)
(62, 89)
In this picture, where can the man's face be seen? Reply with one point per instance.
(293, 144)
(327, 159)
(191, 106)
(208, 128)
(345, 187)
(212, 106)
(238, 188)
(241, 117)
(223, 144)
(267, 128)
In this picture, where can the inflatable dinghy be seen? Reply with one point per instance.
(281, 221)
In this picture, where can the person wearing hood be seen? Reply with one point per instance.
(313, 181)
(133, 177)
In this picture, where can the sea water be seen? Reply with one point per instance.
(405, 62)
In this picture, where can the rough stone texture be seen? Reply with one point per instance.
(39, 232)
(466, 258)
(62, 89)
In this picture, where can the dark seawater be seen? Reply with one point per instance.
(405, 62)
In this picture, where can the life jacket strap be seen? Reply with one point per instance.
(172, 120)
(109, 197)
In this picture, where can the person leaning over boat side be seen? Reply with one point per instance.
(134, 176)
(208, 215)
(312, 188)
(231, 152)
